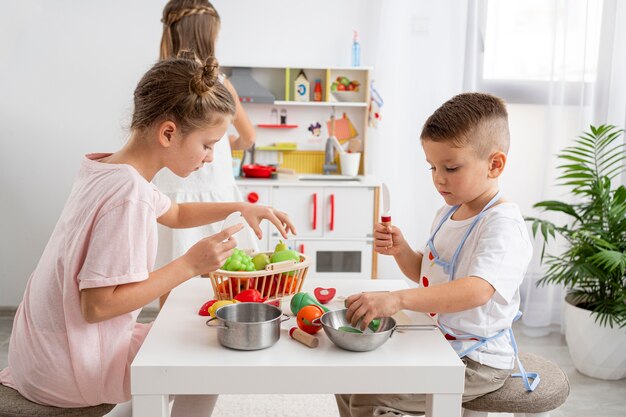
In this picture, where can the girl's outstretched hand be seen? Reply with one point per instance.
(211, 252)
(388, 240)
(367, 306)
(254, 213)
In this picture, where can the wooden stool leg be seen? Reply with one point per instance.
(471, 413)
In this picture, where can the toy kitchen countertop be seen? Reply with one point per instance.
(312, 180)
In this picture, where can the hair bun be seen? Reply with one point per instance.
(206, 76)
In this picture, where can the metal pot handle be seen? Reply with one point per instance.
(285, 318)
(222, 326)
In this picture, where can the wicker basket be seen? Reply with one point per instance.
(277, 280)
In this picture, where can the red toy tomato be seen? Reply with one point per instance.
(324, 295)
(305, 318)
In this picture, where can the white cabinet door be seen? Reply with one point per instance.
(304, 207)
(339, 259)
(348, 212)
(260, 195)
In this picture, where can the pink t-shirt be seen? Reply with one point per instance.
(106, 235)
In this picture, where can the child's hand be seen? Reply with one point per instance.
(368, 306)
(387, 239)
(254, 213)
(210, 253)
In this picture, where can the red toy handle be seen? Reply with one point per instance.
(314, 211)
(253, 197)
(332, 212)
(385, 220)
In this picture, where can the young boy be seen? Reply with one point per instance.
(474, 262)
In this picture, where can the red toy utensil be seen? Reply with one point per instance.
(385, 219)
(324, 295)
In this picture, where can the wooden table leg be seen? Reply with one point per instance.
(151, 406)
(443, 405)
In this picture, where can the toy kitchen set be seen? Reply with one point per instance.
(309, 161)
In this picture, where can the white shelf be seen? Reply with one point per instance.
(320, 103)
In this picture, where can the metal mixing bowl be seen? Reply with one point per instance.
(357, 342)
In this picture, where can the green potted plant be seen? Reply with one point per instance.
(592, 266)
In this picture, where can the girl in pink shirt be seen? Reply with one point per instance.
(75, 332)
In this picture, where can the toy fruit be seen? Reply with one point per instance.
(341, 87)
(250, 296)
(219, 304)
(260, 261)
(283, 253)
(238, 261)
(303, 299)
(324, 295)
(204, 310)
(306, 316)
(280, 246)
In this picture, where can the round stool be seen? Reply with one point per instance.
(12, 404)
(513, 398)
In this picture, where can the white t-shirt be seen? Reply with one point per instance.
(498, 250)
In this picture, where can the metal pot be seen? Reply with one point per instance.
(248, 326)
(368, 340)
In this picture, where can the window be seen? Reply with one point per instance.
(529, 49)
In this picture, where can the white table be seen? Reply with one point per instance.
(181, 355)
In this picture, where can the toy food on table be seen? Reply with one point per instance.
(303, 299)
(219, 304)
(324, 295)
(306, 317)
(204, 310)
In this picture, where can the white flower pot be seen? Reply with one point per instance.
(596, 351)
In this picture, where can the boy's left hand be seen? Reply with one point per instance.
(254, 214)
(368, 306)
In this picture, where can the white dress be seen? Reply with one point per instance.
(213, 182)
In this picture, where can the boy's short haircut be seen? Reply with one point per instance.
(475, 119)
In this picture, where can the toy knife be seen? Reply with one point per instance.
(385, 219)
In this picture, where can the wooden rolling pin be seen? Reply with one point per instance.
(303, 337)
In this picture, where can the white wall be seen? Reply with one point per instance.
(67, 72)
(68, 69)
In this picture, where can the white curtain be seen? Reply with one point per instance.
(575, 63)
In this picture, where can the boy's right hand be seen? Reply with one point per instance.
(387, 239)
(211, 252)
